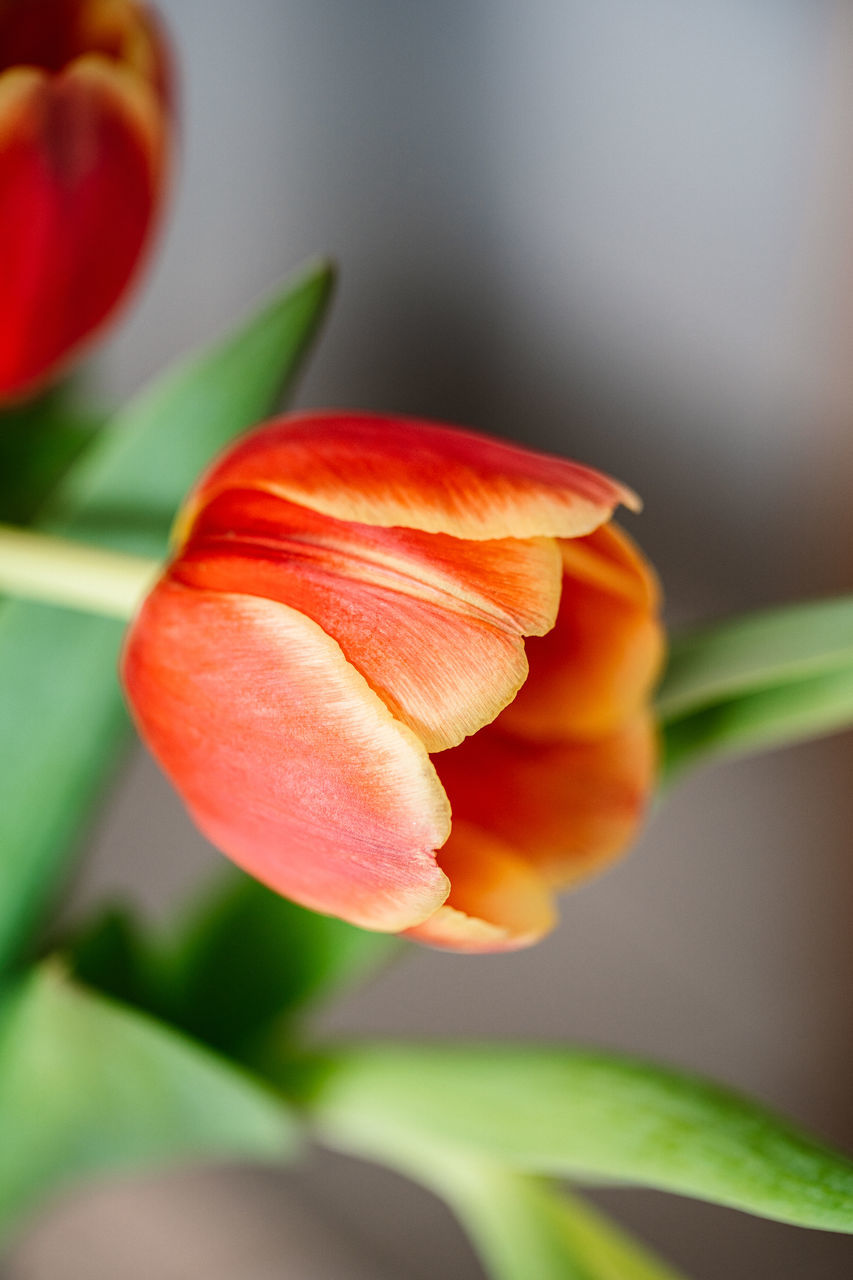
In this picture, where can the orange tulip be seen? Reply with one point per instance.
(84, 121)
(336, 657)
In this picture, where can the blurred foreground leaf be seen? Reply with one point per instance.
(63, 720)
(242, 964)
(525, 1228)
(249, 958)
(764, 680)
(39, 441)
(89, 1088)
(588, 1116)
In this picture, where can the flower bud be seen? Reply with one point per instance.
(371, 622)
(84, 131)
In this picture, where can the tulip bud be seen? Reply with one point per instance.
(84, 125)
(370, 621)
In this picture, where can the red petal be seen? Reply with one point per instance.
(566, 807)
(596, 669)
(398, 471)
(433, 623)
(497, 901)
(51, 34)
(81, 160)
(288, 762)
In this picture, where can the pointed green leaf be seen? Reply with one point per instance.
(580, 1114)
(89, 1088)
(759, 651)
(760, 681)
(63, 721)
(767, 718)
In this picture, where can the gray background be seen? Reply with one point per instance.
(620, 230)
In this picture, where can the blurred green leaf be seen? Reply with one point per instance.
(63, 720)
(759, 651)
(760, 681)
(524, 1228)
(580, 1114)
(112, 954)
(39, 441)
(768, 718)
(235, 971)
(249, 958)
(89, 1088)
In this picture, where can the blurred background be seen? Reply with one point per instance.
(619, 229)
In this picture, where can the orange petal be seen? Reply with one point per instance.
(567, 807)
(399, 471)
(597, 668)
(286, 759)
(433, 623)
(81, 167)
(497, 901)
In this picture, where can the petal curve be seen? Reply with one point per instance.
(596, 669)
(567, 807)
(435, 624)
(381, 470)
(497, 902)
(287, 760)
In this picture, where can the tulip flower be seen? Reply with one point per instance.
(372, 623)
(84, 124)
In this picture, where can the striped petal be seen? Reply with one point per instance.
(81, 170)
(567, 808)
(399, 471)
(497, 902)
(287, 760)
(595, 670)
(434, 624)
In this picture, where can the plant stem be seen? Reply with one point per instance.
(55, 571)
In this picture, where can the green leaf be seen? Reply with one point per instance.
(39, 441)
(768, 718)
(580, 1114)
(524, 1228)
(89, 1088)
(243, 964)
(527, 1228)
(113, 954)
(250, 958)
(63, 720)
(759, 651)
(760, 681)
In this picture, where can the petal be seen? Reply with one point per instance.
(50, 34)
(81, 161)
(566, 807)
(497, 901)
(597, 667)
(433, 623)
(399, 471)
(286, 759)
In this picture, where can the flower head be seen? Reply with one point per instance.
(336, 659)
(84, 124)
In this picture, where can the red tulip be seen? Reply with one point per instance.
(336, 657)
(84, 122)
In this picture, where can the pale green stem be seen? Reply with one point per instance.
(38, 567)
